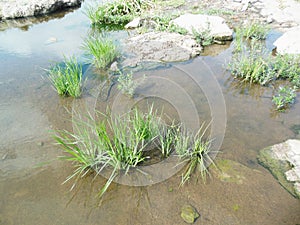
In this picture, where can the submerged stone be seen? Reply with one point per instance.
(283, 161)
(189, 214)
(231, 171)
(161, 47)
(214, 25)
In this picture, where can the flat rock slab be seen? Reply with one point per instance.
(161, 47)
(283, 160)
(202, 23)
(289, 43)
(25, 8)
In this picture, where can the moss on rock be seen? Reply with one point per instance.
(277, 168)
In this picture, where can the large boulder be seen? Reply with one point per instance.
(289, 43)
(161, 47)
(203, 23)
(24, 8)
(283, 160)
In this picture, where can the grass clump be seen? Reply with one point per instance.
(203, 38)
(194, 149)
(117, 12)
(120, 143)
(285, 97)
(103, 50)
(252, 65)
(127, 85)
(67, 77)
(254, 30)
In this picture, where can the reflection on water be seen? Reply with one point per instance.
(63, 33)
(30, 109)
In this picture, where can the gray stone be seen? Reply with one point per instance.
(114, 67)
(25, 8)
(202, 23)
(161, 47)
(283, 160)
(289, 42)
(135, 23)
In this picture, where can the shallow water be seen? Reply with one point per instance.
(31, 177)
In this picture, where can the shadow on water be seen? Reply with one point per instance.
(30, 108)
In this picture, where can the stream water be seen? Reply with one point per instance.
(31, 177)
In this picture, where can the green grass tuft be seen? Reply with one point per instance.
(119, 143)
(254, 30)
(67, 78)
(103, 50)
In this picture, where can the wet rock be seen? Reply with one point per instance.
(161, 47)
(114, 67)
(283, 161)
(289, 43)
(24, 8)
(202, 23)
(189, 214)
(135, 23)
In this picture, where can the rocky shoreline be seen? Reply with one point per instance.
(12, 9)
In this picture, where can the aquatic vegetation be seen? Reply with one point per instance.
(117, 12)
(67, 77)
(204, 38)
(194, 149)
(163, 23)
(127, 85)
(252, 65)
(287, 67)
(103, 50)
(119, 143)
(254, 30)
(285, 97)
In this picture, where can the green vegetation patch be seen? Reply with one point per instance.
(119, 143)
(67, 77)
(117, 12)
(102, 49)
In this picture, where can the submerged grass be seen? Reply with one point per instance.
(119, 143)
(67, 77)
(127, 85)
(103, 50)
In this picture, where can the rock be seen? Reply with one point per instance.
(189, 214)
(24, 8)
(283, 161)
(161, 47)
(245, 5)
(203, 23)
(114, 67)
(269, 19)
(135, 23)
(289, 43)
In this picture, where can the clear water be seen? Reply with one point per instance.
(31, 176)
